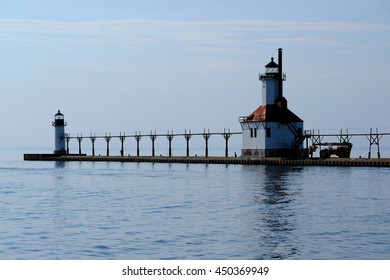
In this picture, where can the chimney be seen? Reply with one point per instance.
(280, 78)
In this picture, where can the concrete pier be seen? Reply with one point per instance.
(377, 162)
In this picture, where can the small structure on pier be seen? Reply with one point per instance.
(272, 130)
(59, 124)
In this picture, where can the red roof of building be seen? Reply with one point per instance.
(272, 113)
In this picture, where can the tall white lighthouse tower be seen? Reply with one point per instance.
(59, 135)
(272, 130)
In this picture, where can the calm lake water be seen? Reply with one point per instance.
(86, 210)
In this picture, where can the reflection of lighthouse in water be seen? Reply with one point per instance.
(275, 221)
(59, 135)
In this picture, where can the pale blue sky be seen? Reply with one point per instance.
(119, 65)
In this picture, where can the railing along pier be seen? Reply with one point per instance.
(373, 138)
(315, 137)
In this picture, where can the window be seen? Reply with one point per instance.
(268, 132)
(253, 133)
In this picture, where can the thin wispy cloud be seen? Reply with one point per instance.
(137, 33)
(309, 41)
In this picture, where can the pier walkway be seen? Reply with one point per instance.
(373, 162)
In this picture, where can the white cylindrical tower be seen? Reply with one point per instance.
(270, 82)
(59, 135)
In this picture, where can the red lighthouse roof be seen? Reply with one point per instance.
(272, 113)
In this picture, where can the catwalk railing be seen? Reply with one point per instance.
(316, 138)
(206, 134)
(373, 138)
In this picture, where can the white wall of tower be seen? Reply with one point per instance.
(269, 91)
(59, 139)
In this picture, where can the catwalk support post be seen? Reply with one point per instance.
(122, 138)
(93, 139)
(206, 136)
(374, 138)
(107, 137)
(79, 139)
(67, 137)
(153, 137)
(137, 138)
(170, 138)
(187, 136)
(226, 135)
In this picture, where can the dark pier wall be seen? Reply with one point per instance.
(382, 162)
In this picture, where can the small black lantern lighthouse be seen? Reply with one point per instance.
(59, 124)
